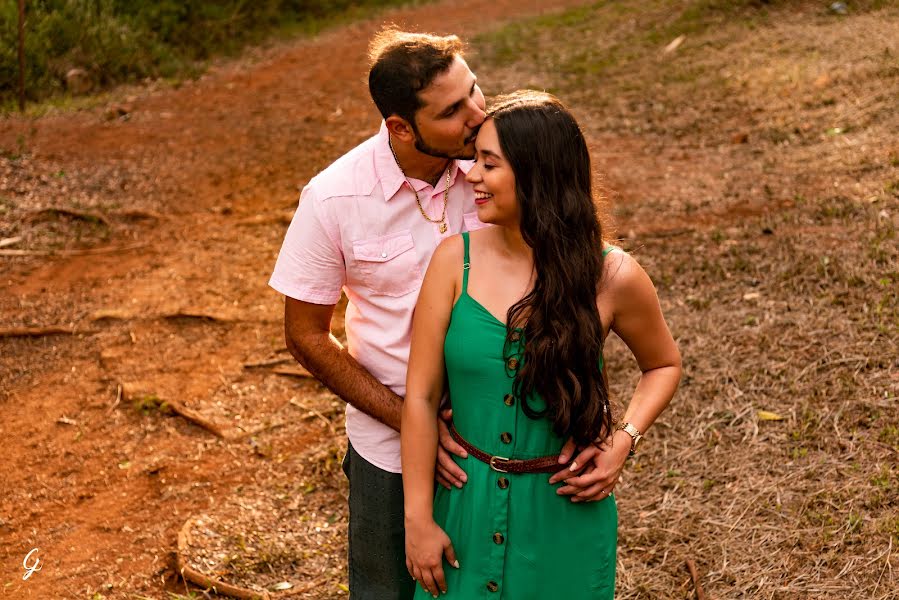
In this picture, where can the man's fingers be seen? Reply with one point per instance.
(448, 468)
(444, 482)
(447, 442)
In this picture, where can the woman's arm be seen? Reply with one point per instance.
(426, 543)
(637, 319)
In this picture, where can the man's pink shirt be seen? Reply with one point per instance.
(358, 229)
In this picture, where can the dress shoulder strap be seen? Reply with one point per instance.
(466, 263)
(608, 249)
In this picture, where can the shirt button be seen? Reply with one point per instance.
(503, 483)
(498, 538)
(492, 586)
(505, 437)
(509, 399)
(383, 255)
(512, 363)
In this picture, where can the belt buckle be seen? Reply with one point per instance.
(493, 466)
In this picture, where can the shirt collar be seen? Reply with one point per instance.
(389, 174)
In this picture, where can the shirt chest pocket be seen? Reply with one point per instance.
(388, 265)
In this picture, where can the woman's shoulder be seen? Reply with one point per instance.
(620, 271)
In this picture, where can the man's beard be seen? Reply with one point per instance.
(423, 147)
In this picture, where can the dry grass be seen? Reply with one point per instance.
(755, 180)
(755, 175)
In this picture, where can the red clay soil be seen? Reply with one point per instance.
(173, 310)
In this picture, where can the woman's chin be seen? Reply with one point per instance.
(486, 214)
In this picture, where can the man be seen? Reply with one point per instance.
(368, 225)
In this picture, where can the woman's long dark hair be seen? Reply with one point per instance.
(562, 332)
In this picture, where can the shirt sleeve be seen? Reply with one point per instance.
(311, 265)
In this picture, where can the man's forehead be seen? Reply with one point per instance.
(447, 88)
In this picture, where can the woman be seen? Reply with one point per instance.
(513, 318)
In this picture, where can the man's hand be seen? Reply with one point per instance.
(449, 474)
(595, 471)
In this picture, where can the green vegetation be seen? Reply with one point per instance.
(118, 41)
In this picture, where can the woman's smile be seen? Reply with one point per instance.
(481, 198)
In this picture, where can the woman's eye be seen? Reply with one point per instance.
(488, 167)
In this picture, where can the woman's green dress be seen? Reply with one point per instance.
(515, 538)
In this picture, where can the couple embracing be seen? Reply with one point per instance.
(481, 293)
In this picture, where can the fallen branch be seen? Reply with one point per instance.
(283, 219)
(83, 252)
(136, 213)
(140, 392)
(75, 214)
(34, 331)
(296, 371)
(10, 241)
(118, 399)
(268, 363)
(694, 575)
(196, 577)
(198, 419)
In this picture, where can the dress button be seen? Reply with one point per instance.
(498, 538)
(512, 363)
(516, 335)
(492, 586)
(505, 437)
(509, 399)
(503, 483)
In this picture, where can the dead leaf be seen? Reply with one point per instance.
(674, 44)
(765, 415)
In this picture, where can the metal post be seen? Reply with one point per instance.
(22, 55)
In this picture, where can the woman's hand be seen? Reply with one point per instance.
(595, 471)
(426, 544)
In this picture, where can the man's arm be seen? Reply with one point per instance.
(307, 329)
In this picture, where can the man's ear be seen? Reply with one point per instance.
(400, 129)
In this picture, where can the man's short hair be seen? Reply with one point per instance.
(403, 64)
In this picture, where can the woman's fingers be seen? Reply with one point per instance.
(428, 583)
(568, 451)
(594, 492)
(587, 479)
(584, 456)
(450, 553)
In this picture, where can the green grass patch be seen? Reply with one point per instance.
(120, 41)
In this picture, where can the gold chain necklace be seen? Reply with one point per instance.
(442, 219)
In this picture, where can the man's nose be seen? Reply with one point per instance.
(477, 115)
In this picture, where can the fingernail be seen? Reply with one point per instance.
(573, 466)
(464, 454)
(456, 564)
(464, 478)
(458, 485)
(562, 459)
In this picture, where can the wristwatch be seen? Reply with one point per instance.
(636, 436)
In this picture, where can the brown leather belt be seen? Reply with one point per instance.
(501, 464)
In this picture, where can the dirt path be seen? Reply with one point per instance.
(100, 486)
